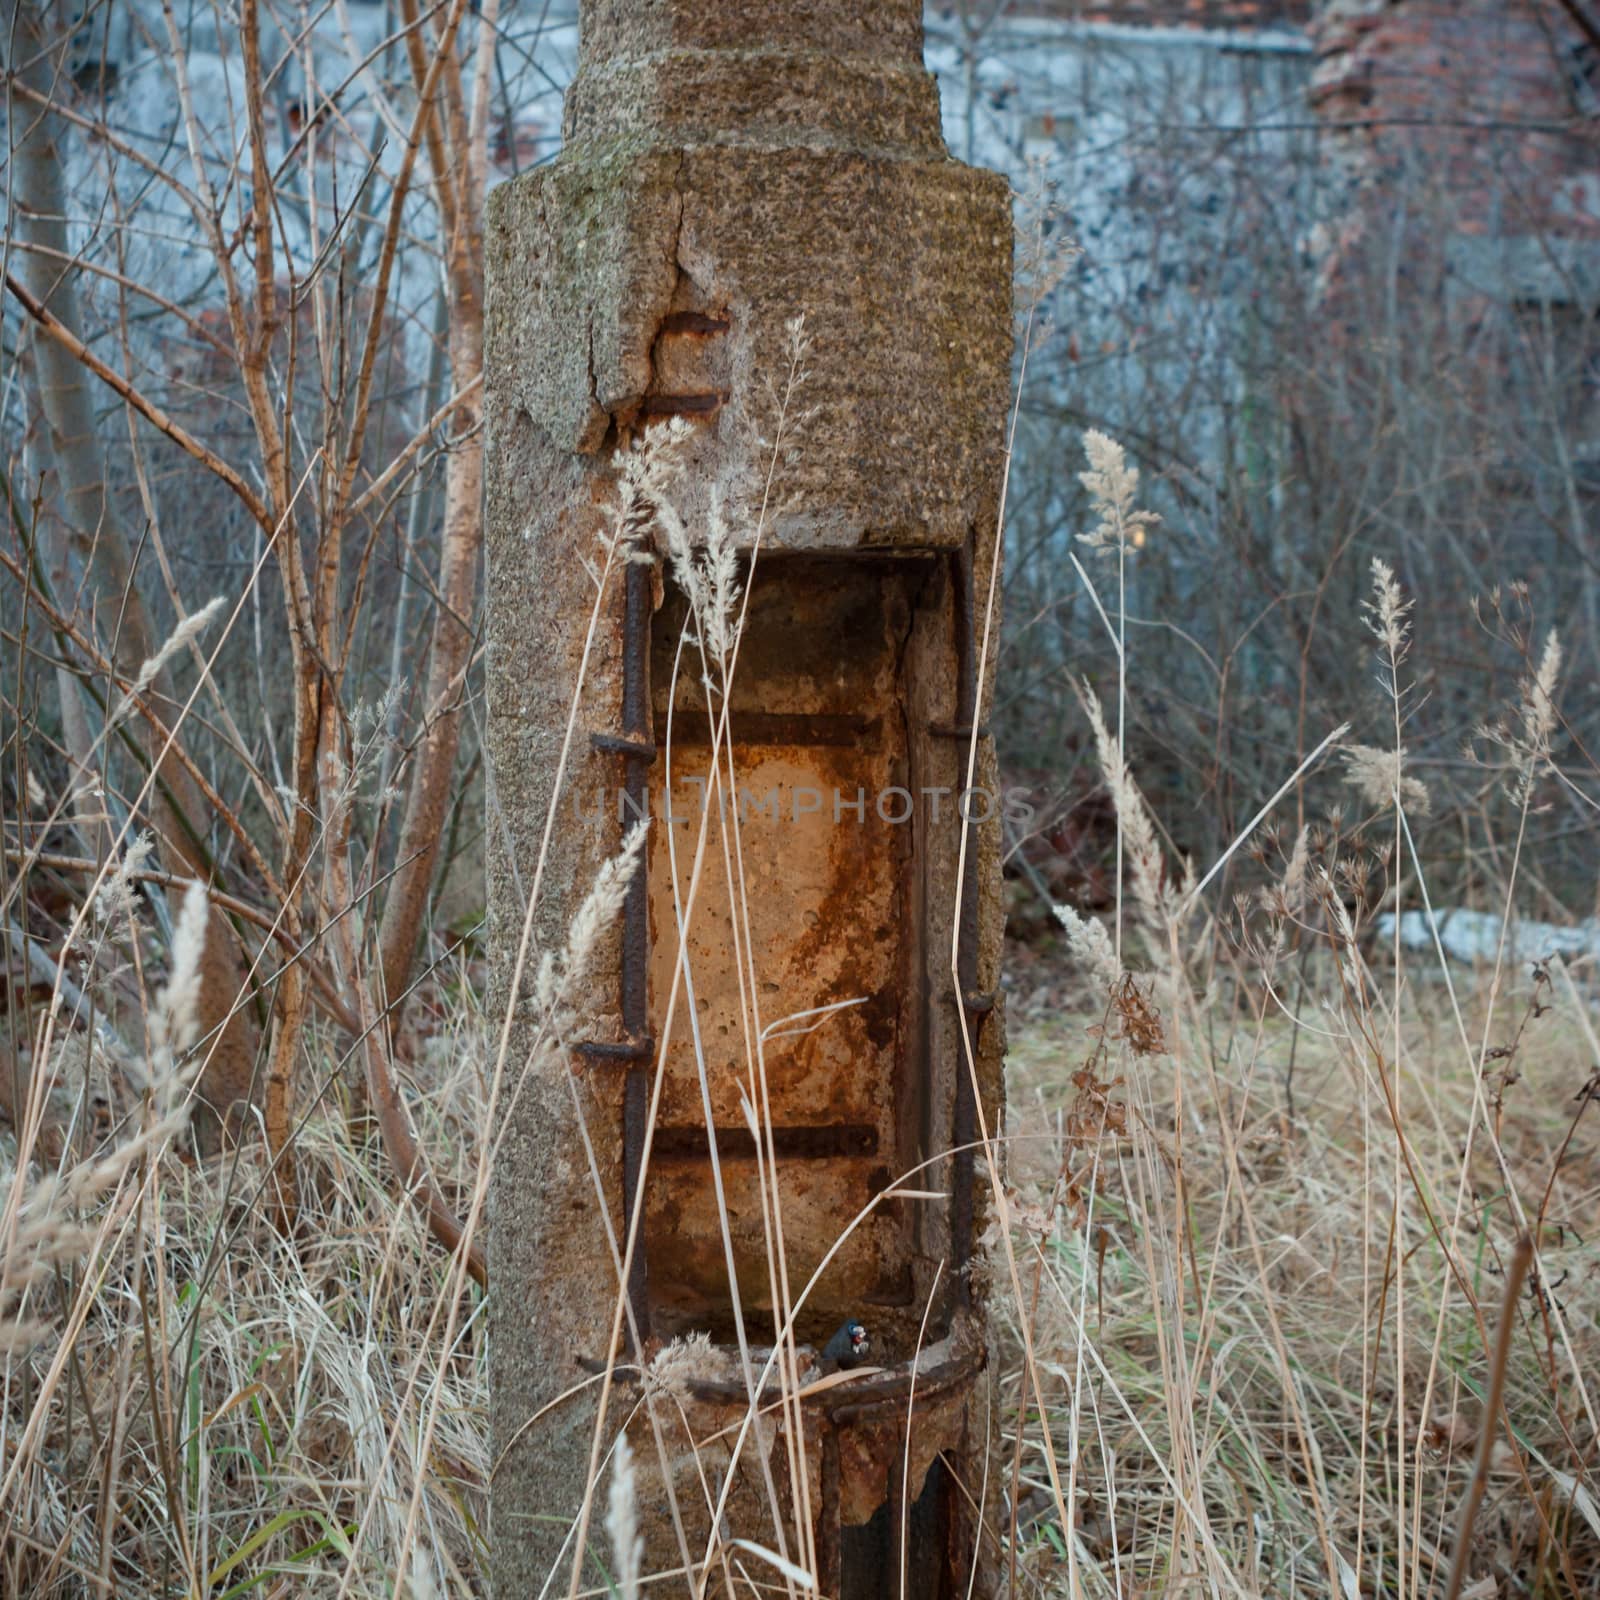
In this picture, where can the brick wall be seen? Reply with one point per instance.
(1458, 256)
(1172, 13)
(1494, 102)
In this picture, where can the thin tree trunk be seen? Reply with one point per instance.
(458, 152)
(77, 737)
(428, 798)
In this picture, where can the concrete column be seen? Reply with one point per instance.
(726, 168)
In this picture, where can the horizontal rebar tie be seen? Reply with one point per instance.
(622, 1050)
(614, 744)
(771, 727)
(809, 1142)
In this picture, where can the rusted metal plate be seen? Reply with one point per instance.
(803, 872)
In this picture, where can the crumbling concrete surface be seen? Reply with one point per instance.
(728, 168)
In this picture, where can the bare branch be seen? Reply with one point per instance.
(50, 325)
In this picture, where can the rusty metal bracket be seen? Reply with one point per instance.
(637, 748)
(612, 744)
(693, 728)
(623, 1050)
(849, 1403)
(803, 1142)
(853, 1401)
(964, 1121)
(703, 404)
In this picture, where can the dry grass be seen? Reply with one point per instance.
(1266, 1177)
(1294, 1354)
(237, 1412)
(266, 1399)
(1269, 1180)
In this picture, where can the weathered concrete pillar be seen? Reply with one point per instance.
(728, 166)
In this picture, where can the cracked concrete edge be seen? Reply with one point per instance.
(910, 326)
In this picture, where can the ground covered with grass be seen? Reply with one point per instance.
(1267, 1316)
(1261, 1306)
